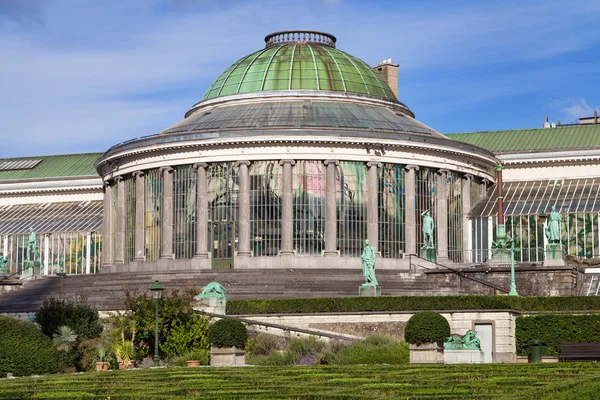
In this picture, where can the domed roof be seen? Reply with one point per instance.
(300, 60)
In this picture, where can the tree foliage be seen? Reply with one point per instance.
(426, 327)
(228, 333)
(74, 313)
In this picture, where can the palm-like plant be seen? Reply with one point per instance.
(64, 338)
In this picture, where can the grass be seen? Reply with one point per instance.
(499, 381)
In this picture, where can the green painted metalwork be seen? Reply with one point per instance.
(469, 341)
(561, 137)
(368, 264)
(69, 165)
(300, 66)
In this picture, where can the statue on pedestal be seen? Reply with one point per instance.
(368, 264)
(31, 245)
(553, 229)
(3, 266)
(427, 228)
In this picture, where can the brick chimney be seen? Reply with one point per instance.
(389, 72)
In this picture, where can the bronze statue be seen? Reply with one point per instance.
(368, 264)
(427, 228)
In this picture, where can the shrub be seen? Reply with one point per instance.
(299, 351)
(372, 350)
(74, 313)
(68, 361)
(261, 345)
(553, 329)
(426, 327)
(228, 333)
(411, 303)
(89, 353)
(185, 336)
(24, 350)
(64, 338)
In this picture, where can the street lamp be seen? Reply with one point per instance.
(156, 290)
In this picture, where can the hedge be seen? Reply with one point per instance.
(228, 333)
(412, 303)
(552, 330)
(24, 350)
(427, 327)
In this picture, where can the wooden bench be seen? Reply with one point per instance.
(579, 351)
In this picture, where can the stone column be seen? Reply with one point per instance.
(140, 220)
(244, 210)
(201, 212)
(466, 209)
(410, 222)
(120, 221)
(330, 210)
(372, 205)
(166, 246)
(107, 219)
(287, 210)
(483, 188)
(442, 216)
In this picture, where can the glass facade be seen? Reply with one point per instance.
(153, 215)
(309, 192)
(223, 190)
(129, 190)
(351, 202)
(454, 204)
(185, 195)
(425, 198)
(265, 208)
(391, 210)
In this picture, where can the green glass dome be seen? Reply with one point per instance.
(300, 60)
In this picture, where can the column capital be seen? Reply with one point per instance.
(442, 171)
(334, 162)
(118, 178)
(105, 184)
(200, 165)
(375, 164)
(243, 162)
(138, 174)
(486, 181)
(467, 177)
(166, 169)
(409, 167)
(283, 162)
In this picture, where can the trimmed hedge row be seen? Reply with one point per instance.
(411, 303)
(552, 330)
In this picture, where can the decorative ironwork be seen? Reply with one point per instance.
(300, 36)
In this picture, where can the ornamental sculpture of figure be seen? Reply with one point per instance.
(31, 250)
(469, 341)
(3, 266)
(427, 228)
(553, 229)
(368, 264)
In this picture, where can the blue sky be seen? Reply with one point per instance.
(80, 76)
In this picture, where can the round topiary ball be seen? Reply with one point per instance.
(228, 333)
(24, 350)
(426, 327)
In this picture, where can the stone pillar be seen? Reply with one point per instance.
(466, 209)
(330, 210)
(107, 219)
(201, 212)
(244, 210)
(140, 220)
(442, 216)
(372, 205)
(88, 252)
(483, 188)
(166, 246)
(410, 223)
(287, 210)
(120, 221)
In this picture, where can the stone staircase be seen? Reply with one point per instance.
(106, 290)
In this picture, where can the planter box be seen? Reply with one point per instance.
(193, 363)
(102, 366)
(428, 353)
(463, 357)
(227, 356)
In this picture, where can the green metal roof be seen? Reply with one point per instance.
(559, 138)
(68, 165)
(300, 66)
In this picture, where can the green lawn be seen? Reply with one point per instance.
(523, 381)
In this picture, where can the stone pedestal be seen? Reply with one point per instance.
(367, 290)
(500, 256)
(213, 305)
(220, 357)
(428, 253)
(428, 353)
(463, 357)
(554, 255)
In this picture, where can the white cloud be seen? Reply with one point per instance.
(571, 109)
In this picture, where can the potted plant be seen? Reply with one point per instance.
(123, 348)
(102, 364)
(197, 357)
(426, 331)
(124, 353)
(228, 339)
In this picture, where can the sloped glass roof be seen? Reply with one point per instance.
(300, 64)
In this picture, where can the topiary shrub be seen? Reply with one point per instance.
(228, 333)
(24, 350)
(426, 327)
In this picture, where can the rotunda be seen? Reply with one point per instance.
(295, 155)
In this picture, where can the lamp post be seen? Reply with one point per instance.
(513, 283)
(156, 290)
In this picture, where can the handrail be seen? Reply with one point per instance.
(281, 327)
(459, 273)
